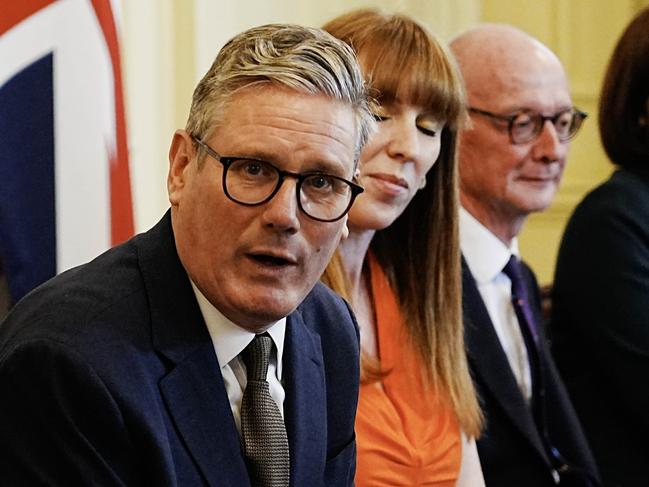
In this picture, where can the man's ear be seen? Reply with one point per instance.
(181, 153)
(345, 232)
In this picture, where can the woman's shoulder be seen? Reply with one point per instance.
(622, 187)
(625, 195)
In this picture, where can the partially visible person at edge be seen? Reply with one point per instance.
(600, 320)
(200, 352)
(400, 265)
(511, 158)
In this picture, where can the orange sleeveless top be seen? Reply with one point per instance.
(405, 436)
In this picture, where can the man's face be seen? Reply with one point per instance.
(257, 263)
(502, 181)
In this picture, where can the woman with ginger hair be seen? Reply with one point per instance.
(418, 414)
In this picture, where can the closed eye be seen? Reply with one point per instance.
(428, 125)
(379, 113)
(380, 118)
(427, 131)
(523, 120)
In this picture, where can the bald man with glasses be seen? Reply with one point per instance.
(512, 156)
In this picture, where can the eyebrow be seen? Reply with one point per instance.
(519, 109)
(309, 166)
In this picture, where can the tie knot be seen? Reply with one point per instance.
(514, 271)
(256, 356)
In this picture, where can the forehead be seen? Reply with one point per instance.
(532, 80)
(286, 126)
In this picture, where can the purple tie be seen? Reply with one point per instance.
(520, 299)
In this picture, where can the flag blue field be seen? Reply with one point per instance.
(64, 180)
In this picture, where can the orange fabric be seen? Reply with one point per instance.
(405, 435)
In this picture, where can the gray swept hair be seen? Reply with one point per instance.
(303, 59)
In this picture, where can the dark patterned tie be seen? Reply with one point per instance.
(265, 443)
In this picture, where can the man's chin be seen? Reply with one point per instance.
(538, 199)
(263, 311)
(537, 205)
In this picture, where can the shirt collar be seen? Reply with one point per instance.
(485, 254)
(229, 340)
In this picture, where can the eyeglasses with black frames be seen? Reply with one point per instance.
(251, 182)
(526, 125)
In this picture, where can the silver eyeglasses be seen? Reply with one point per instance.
(251, 182)
(526, 125)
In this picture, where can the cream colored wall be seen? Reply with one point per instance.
(168, 44)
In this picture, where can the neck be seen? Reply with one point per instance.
(353, 251)
(502, 224)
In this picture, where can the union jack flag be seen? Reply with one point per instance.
(64, 180)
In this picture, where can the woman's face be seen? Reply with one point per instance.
(394, 163)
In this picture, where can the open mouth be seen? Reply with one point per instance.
(270, 260)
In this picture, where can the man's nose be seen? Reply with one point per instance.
(281, 212)
(547, 146)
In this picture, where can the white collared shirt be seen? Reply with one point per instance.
(486, 255)
(229, 340)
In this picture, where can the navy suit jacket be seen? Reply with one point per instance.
(511, 447)
(108, 376)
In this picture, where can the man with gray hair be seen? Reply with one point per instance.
(511, 159)
(200, 352)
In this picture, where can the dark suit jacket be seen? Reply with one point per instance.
(511, 448)
(600, 323)
(108, 376)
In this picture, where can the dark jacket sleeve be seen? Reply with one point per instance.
(60, 426)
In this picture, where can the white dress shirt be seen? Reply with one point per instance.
(229, 340)
(486, 255)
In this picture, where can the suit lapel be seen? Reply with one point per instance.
(195, 396)
(193, 390)
(489, 361)
(305, 404)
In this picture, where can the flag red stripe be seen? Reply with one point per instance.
(121, 208)
(13, 12)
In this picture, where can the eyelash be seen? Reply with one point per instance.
(423, 130)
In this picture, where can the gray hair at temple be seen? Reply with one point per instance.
(303, 59)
